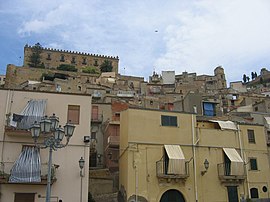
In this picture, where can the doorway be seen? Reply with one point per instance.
(172, 195)
(232, 193)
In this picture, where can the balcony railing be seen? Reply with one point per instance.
(97, 118)
(161, 171)
(128, 94)
(23, 122)
(113, 141)
(227, 173)
(5, 168)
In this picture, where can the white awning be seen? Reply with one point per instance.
(233, 155)
(176, 157)
(225, 125)
(236, 166)
(267, 119)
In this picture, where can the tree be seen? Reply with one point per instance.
(252, 75)
(255, 74)
(35, 57)
(245, 78)
(106, 66)
(248, 78)
(261, 80)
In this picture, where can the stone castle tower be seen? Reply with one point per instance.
(220, 77)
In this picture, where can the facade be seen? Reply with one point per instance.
(101, 112)
(52, 58)
(171, 155)
(15, 138)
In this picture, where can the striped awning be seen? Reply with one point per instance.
(237, 163)
(27, 167)
(176, 157)
(33, 111)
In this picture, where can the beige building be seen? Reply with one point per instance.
(170, 156)
(18, 111)
(2, 80)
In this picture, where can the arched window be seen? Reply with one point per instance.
(254, 193)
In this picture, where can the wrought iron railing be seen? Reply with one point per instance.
(5, 171)
(97, 118)
(161, 170)
(226, 171)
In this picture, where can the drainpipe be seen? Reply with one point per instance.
(243, 156)
(7, 110)
(136, 178)
(194, 158)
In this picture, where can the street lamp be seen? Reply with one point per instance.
(81, 165)
(206, 166)
(53, 137)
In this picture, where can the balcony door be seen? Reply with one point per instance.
(24, 197)
(172, 195)
(94, 112)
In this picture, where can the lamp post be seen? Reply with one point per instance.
(53, 136)
(81, 165)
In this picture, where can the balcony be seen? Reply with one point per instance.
(97, 118)
(162, 173)
(125, 94)
(5, 168)
(228, 174)
(19, 125)
(12, 131)
(113, 141)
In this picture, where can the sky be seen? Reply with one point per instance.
(146, 35)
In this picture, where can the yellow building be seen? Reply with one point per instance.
(169, 156)
(19, 180)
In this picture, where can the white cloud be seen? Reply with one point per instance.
(195, 36)
(228, 33)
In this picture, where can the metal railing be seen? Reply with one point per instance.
(5, 171)
(227, 172)
(23, 122)
(113, 140)
(161, 170)
(97, 118)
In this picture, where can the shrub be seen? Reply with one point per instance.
(90, 70)
(67, 67)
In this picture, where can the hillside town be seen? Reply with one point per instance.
(171, 137)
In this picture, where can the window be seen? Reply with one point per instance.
(48, 57)
(169, 120)
(209, 109)
(251, 136)
(62, 58)
(253, 164)
(96, 63)
(30, 197)
(74, 114)
(93, 135)
(254, 193)
(84, 61)
(73, 61)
